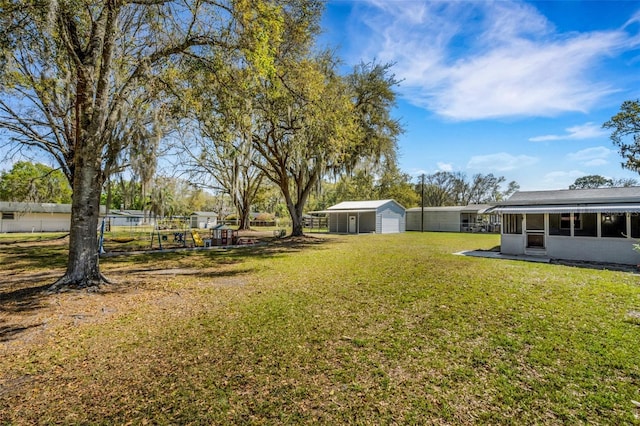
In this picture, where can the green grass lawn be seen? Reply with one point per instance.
(372, 329)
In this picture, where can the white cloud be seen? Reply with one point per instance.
(596, 156)
(445, 167)
(585, 131)
(560, 179)
(416, 173)
(500, 162)
(477, 60)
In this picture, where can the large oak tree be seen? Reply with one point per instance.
(310, 121)
(69, 68)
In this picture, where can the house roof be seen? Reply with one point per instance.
(204, 214)
(570, 208)
(9, 206)
(131, 213)
(15, 207)
(611, 200)
(574, 196)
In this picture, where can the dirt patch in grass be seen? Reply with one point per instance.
(29, 312)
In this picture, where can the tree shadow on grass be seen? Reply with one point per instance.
(264, 249)
(30, 258)
(22, 298)
(33, 269)
(9, 332)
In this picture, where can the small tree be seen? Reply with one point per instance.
(625, 126)
(591, 181)
(597, 181)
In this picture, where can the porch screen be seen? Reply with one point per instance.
(613, 225)
(535, 222)
(559, 224)
(512, 224)
(635, 225)
(585, 224)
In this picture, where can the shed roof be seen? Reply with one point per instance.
(438, 209)
(471, 208)
(367, 205)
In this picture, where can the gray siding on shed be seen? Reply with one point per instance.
(445, 220)
(367, 222)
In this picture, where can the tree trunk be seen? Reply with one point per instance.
(83, 268)
(295, 211)
(245, 220)
(243, 208)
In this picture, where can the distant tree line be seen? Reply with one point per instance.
(35, 183)
(597, 181)
(456, 189)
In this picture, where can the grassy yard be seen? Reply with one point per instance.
(372, 329)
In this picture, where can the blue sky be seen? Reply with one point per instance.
(517, 89)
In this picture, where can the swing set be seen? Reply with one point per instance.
(171, 232)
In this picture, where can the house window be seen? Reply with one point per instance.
(635, 225)
(613, 225)
(560, 224)
(585, 224)
(535, 240)
(512, 224)
(8, 216)
(535, 222)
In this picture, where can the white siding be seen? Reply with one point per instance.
(37, 222)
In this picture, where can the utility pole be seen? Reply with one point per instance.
(422, 204)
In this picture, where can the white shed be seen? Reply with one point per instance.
(129, 218)
(374, 216)
(204, 220)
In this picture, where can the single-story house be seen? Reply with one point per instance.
(595, 225)
(204, 220)
(471, 218)
(358, 217)
(126, 217)
(35, 217)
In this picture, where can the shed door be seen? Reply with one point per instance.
(390, 225)
(352, 224)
